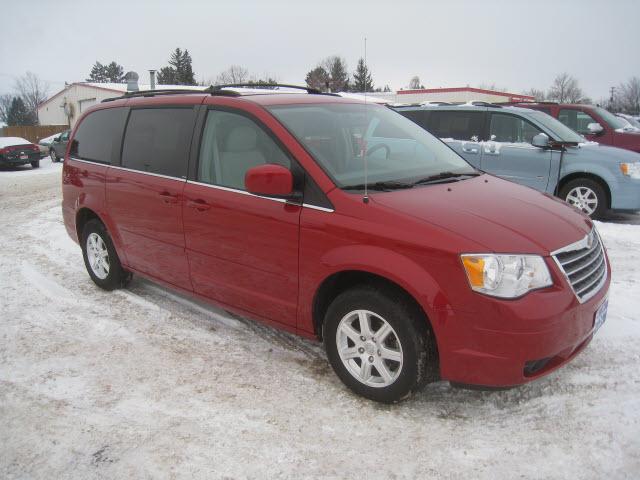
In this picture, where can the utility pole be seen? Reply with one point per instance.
(613, 92)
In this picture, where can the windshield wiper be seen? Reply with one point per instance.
(381, 186)
(444, 177)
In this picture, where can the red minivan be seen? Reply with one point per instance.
(340, 221)
(594, 123)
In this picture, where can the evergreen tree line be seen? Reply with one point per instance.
(21, 107)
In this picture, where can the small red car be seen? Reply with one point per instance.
(594, 123)
(340, 221)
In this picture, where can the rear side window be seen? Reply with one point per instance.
(459, 125)
(417, 116)
(157, 140)
(99, 136)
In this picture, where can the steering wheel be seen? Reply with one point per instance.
(378, 147)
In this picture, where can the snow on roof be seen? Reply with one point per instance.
(11, 141)
(361, 96)
(122, 87)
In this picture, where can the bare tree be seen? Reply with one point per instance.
(414, 83)
(233, 74)
(565, 89)
(336, 67)
(5, 105)
(628, 98)
(33, 91)
(539, 95)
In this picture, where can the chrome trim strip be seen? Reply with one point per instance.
(579, 245)
(321, 209)
(75, 159)
(132, 170)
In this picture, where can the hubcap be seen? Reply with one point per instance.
(583, 198)
(53, 155)
(369, 348)
(98, 256)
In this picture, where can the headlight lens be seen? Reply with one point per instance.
(630, 169)
(506, 276)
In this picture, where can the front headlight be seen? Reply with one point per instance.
(506, 276)
(630, 169)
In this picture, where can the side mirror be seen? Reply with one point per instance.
(595, 128)
(56, 139)
(541, 140)
(269, 180)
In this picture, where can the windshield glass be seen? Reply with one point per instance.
(558, 130)
(341, 136)
(613, 121)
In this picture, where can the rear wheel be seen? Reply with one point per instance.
(100, 257)
(53, 155)
(35, 164)
(587, 195)
(377, 344)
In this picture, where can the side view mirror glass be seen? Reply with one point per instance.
(595, 128)
(269, 180)
(540, 140)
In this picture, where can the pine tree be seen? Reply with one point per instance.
(318, 78)
(185, 75)
(166, 76)
(19, 115)
(339, 78)
(362, 81)
(114, 73)
(98, 73)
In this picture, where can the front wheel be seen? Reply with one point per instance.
(100, 257)
(586, 195)
(377, 344)
(53, 155)
(35, 164)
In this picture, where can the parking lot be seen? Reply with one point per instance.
(145, 383)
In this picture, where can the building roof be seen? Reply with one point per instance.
(119, 88)
(467, 89)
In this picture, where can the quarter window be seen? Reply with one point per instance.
(511, 129)
(232, 144)
(157, 140)
(459, 125)
(576, 120)
(99, 135)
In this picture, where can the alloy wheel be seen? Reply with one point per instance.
(98, 256)
(369, 348)
(583, 198)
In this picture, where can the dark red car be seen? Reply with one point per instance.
(422, 268)
(594, 123)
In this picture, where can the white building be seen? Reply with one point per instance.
(66, 106)
(458, 95)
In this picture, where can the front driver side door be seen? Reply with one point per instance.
(242, 248)
(509, 154)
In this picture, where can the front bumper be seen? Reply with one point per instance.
(508, 343)
(626, 195)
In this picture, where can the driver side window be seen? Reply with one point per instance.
(511, 129)
(232, 144)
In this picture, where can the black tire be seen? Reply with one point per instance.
(419, 354)
(52, 154)
(592, 185)
(35, 164)
(117, 277)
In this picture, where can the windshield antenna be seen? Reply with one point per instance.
(365, 199)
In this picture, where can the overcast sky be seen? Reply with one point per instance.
(514, 44)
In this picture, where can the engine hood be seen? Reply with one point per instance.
(607, 153)
(496, 215)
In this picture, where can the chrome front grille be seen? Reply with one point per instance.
(584, 265)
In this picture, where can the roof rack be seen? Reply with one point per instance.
(268, 86)
(172, 91)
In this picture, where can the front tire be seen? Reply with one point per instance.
(52, 154)
(378, 344)
(586, 195)
(100, 257)
(35, 164)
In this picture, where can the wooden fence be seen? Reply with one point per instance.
(33, 133)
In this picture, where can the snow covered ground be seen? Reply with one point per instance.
(145, 383)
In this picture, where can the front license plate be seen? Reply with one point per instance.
(24, 156)
(601, 315)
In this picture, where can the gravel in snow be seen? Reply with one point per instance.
(146, 383)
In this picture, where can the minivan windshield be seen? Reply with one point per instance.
(557, 129)
(340, 136)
